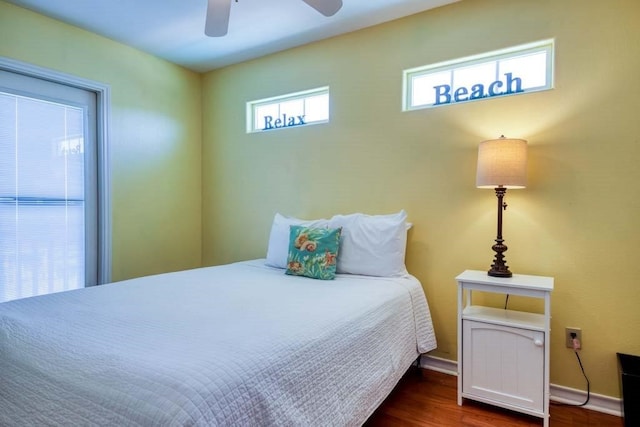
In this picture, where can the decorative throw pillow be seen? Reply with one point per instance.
(278, 247)
(313, 252)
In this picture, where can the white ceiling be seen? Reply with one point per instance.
(174, 29)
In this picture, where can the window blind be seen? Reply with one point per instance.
(42, 215)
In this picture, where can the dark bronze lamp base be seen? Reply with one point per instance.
(503, 272)
(499, 267)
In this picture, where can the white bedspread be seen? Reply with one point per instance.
(235, 345)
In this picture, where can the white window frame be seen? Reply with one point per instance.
(496, 57)
(103, 109)
(291, 122)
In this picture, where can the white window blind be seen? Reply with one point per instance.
(45, 216)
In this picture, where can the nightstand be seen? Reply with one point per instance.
(503, 355)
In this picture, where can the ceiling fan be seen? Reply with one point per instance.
(218, 11)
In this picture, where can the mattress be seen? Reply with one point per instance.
(241, 344)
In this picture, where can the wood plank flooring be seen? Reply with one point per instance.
(429, 398)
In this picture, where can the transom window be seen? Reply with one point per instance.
(290, 110)
(520, 69)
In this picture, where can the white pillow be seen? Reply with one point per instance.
(279, 238)
(372, 245)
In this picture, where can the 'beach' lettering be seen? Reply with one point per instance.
(509, 86)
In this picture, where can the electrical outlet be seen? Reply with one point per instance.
(569, 337)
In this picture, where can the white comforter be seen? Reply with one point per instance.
(234, 345)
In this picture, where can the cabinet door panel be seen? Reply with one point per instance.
(504, 364)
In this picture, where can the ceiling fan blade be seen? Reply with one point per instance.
(217, 22)
(325, 7)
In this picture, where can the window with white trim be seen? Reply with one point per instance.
(512, 71)
(54, 182)
(295, 109)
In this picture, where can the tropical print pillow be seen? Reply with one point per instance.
(313, 252)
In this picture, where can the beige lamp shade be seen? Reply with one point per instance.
(502, 163)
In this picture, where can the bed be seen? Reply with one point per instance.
(239, 344)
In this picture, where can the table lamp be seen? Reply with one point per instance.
(502, 164)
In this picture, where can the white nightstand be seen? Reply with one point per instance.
(503, 355)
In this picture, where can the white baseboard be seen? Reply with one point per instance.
(597, 402)
(438, 364)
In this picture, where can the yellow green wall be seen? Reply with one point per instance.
(577, 220)
(155, 138)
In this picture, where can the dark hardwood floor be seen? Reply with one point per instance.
(428, 398)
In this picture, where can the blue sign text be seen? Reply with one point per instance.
(282, 122)
(499, 87)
